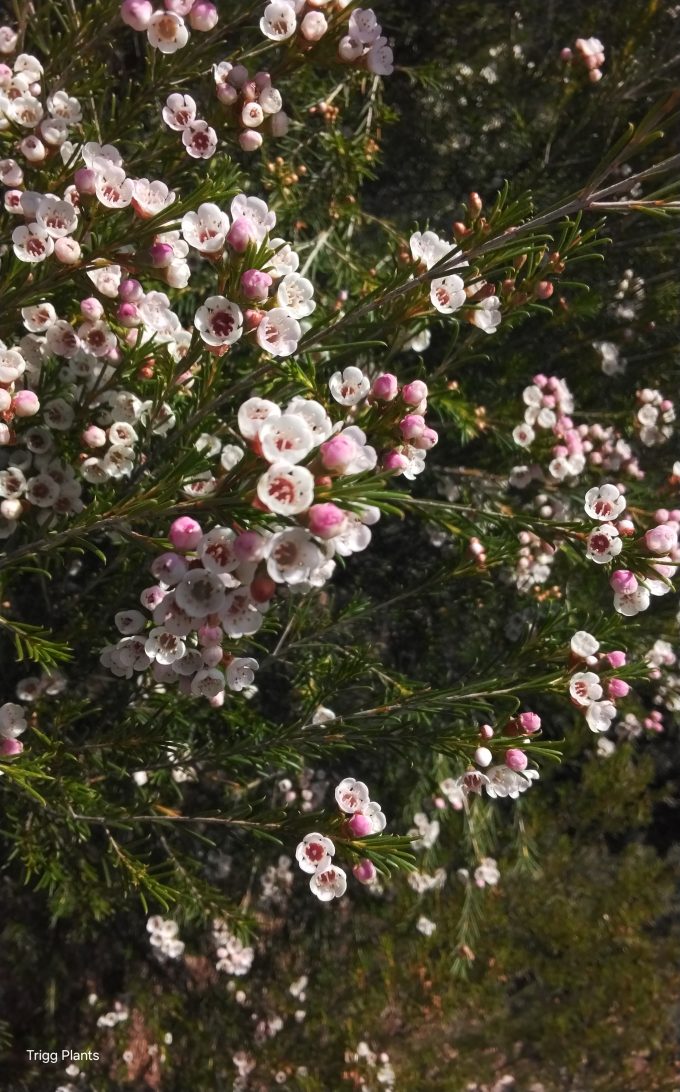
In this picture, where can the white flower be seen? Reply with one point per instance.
(487, 873)
(12, 720)
(199, 139)
(425, 832)
(447, 293)
(453, 792)
(429, 248)
(611, 361)
(631, 603)
(584, 645)
(328, 883)
(315, 417)
(425, 926)
(241, 673)
(605, 502)
(163, 646)
(486, 315)
(216, 550)
(206, 229)
(286, 439)
(523, 435)
(207, 683)
(295, 293)
(200, 593)
(150, 198)
(350, 386)
(167, 31)
(38, 318)
(279, 21)
(314, 852)
(379, 58)
(363, 26)
(284, 260)
(219, 321)
(113, 189)
(129, 621)
(253, 413)
(240, 616)
(12, 365)
(599, 715)
(278, 333)
(179, 111)
(292, 556)
(352, 796)
(31, 243)
(286, 489)
(58, 218)
(584, 687)
(604, 544)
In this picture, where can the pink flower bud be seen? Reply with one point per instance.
(364, 872)
(428, 440)
(385, 387)
(240, 234)
(209, 635)
(338, 452)
(91, 309)
(128, 315)
(616, 659)
(9, 748)
(226, 94)
(130, 291)
(179, 7)
(661, 539)
(486, 732)
(255, 284)
(93, 436)
(617, 688)
(252, 318)
(360, 825)
(85, 180)
(412, 426)
(250, 140)
(623, 582)
(313, 26)
(326, 520)
(662, 515)
(529, 722)
(626, 527)
(67, 251)
(136, 13)
(394, 460)
(10, 508)
(203, 16)
(161, 254)
(25, 404)
(212, 655)
(516, 760)
(414, 393)
(185, 533)
(5, 399)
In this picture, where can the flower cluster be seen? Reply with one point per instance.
(21, 109)
(585, 686)
(233, 956)
(365, 45)
(315, 852)
(449, 293)
(654, 419)
(498, 781)
(12, 725)
(654, 557)
(164, 937)
(180, 114)
(589, 53)
(254, 105)
(165, 28)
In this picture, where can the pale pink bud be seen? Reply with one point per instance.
(385, 387)
(241, 234)
(250, 140)
(566, 54)
(483, 756)
(93, 436)
(662, 515)
(209, 635)
(279, 123)
(10, 508)
(227, 94)
(428, 439)
(161, 254)
(516, 760)
(626, 527)
(623, 582)
(25, 404)
(67, 251)
(364, 872)
(130, 290)
(136, 13)
(412, 426)
(212, 655)
(486, 731)
(85, 180)
(414, 393)
(92, 309)
(313, 26)
(179, 7)
(617, 688)
(128, 315)
(338, 452)
(249, 546)
(203, 16)
(185, 533)
(661, 539)
(326, 520)
(360, 825)
(255, 284)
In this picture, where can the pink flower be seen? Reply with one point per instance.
(314, 852)
(623, 581)
(286, 489)
(360, 825)
(385, 387)
(616, 659)
(338, 452)
(326, 520)
(661, 539)
(203, 16)
(604, 503)
(179, 111)
(199, 140)
(206, 229)
(185, 533)
(328, 883)
(529, 722)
